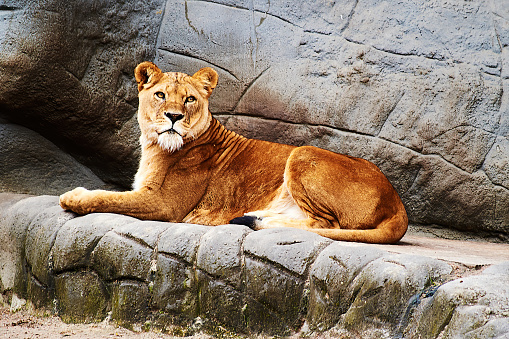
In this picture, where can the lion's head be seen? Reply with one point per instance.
(173, 107)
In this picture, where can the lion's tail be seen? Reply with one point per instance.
(389, 231)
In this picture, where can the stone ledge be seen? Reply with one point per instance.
(277, 281)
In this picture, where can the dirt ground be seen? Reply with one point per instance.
(30, 324)
(26, 324)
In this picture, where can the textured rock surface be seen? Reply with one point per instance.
(278, 281)
(32, 164)
(469, 307)
(67, 73)
(356, 285)
(419, 89)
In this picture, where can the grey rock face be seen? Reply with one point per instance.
(82, 297)
(67, 70)
(32, 164)
(356, 284)
(14, 231)
(275, 281)
(220, 252)
(472, 307)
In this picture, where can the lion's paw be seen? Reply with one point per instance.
(249, 221)
(74, 200)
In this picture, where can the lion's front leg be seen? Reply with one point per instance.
(138, 204)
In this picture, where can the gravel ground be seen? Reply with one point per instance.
(27, 324)
(37, 324)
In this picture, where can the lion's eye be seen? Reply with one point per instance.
(190, 99)
(160, 95)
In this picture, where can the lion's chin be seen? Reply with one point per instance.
(170, 141)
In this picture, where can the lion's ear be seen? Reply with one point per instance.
(147, 74)
(207, 78)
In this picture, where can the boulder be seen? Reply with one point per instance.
(67, 70)
(77, 239)
(130, 302)
(82, 297)
(470, 307)
(352, 285)
(229, 278)
(32, 164)
(220, 253)
(116, 257)
(13, 236)
(175, 285)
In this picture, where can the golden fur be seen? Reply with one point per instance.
(194, 170)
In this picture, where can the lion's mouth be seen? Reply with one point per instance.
(169, 130)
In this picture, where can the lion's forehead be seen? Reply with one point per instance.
(177, 78)
(177, 83)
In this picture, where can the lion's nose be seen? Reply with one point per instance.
(174, 117)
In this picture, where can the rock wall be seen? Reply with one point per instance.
(277, 282)
(67, 73)
(418, 88)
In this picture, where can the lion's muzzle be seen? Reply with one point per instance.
(174, 117)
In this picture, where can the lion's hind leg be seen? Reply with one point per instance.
(283, 211)
(345, 198)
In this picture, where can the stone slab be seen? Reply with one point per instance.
(278, 281)
(465, 252)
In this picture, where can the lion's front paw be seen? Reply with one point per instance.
(75, 200)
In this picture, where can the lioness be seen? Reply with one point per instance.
(194, 170)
